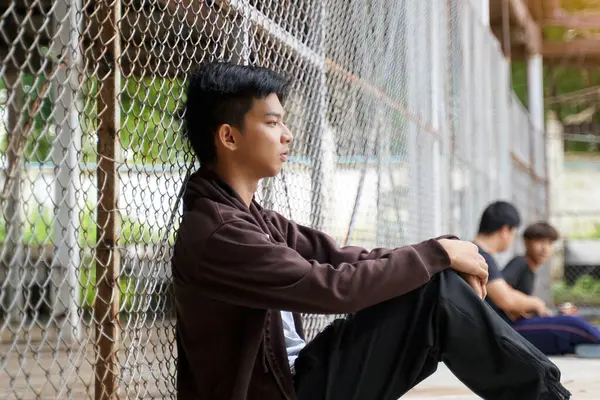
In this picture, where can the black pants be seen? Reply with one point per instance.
(382, 352)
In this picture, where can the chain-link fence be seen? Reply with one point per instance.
(574, 130)
(405, 127)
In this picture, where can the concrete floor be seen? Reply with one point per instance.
(581, 377)
(33, 365)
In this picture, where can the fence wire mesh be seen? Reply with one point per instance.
(574, 137)
(402, 115)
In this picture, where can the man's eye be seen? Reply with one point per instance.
(272, 123)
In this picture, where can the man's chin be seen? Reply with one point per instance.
(272, 173)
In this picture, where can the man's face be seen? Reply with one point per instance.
(539, 250)
(508, 235)
(265, 140)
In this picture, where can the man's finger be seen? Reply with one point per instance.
(475, 283)
(482, 273)
(481, 289)
(482, 260)
(483, 265)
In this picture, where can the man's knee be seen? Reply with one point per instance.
(579, 323)
(444, 285)
(450, 282)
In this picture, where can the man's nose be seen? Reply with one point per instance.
(288, 137)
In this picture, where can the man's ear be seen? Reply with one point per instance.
(226, 136)
(506, 229)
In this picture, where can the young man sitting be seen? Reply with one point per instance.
(243, 274)
(561, 334)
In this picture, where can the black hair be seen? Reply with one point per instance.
(222, 93)
(541, 230)
(497, 215)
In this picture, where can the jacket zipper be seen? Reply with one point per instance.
(268, 363)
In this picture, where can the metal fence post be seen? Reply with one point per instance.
(318, 196)
(468, 118)
(66, 260)
(412, 130)
(106, 306)
(382, 133)
(535, 96)
(437, 96)
(12, 257)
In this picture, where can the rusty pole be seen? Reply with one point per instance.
(106, 305)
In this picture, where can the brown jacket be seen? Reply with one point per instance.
(234, 267)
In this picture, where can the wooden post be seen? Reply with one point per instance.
(106, 305)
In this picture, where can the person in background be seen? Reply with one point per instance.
(497, 230)
(528, 314)
(561, 334)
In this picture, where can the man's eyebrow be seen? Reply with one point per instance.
(274, 114)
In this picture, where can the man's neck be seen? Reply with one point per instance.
(239, 180)
(488, 243)
(532, 264)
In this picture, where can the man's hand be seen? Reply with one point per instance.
(476, 284)
(537, 309)
(465, 259)
(540, 308)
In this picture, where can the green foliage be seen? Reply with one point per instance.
(35, 112)
(131, 231)
(150, 127)
(89, 292)
(586, 291)
(519, 80)
(38, 226)
(149, 131)
(149, 135)
(593, 234)
(566, 80)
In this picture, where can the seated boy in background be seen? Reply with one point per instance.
(561, 334)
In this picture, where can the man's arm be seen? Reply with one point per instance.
(312, 244)
(512, 301)
(240, 265)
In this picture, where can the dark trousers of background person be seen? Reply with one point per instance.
(557, 335)
(382, 352)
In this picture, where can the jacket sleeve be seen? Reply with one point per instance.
(240, 265)
(316, 245)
